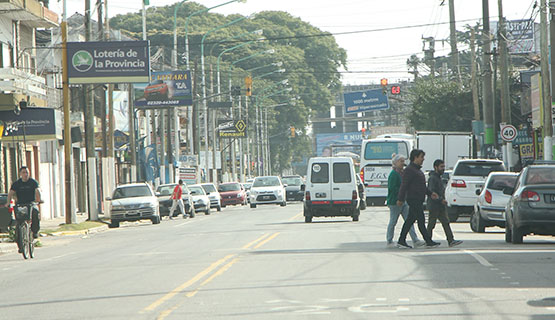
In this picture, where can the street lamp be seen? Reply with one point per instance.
(275, 64)
(174, 53)
(269, 73)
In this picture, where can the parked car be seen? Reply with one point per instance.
(164, 193)
(132, 202)
(232, 193)
(331, 189)
(468, 176)
(267, 190)
(532, 203)
(293, 188)
(157, 89)
(214, 195)
(200, 198)
(489, 210)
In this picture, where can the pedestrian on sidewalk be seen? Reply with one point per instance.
(437, 207)
(177, 200)
(414, 190)
(393, 185)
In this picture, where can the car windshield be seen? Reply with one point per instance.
(384, 150)
(209, 188)
(229, 187)
(196, 190)
(132, 192)
(247, 186)
(540, 176)
(292, 181)
(165, 190)
(266, 182)
(477, 169)
(499, 182)
(155, 82)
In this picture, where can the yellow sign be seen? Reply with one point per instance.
(526, 151)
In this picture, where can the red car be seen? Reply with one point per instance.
(157, 89)
(232, 193)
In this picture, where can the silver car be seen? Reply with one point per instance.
(132, 202)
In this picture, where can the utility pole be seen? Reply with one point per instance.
(552, 38)
(546, 87)
(474, 80)
(428, 58)
(67, 126)
(453, 41)
(504, 74)
(487, 100)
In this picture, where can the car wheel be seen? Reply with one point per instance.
(307, 215)
(307, 219)
(356, 214)
(253, 205)
(114, 224)
(453, 214)
(516, 236)
(508, 233)
(155, 219)
(192, 212)
(477, 224)
(283, 204)
(207, 212)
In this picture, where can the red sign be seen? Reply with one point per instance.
(395, 89)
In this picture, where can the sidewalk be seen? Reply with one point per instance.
(52, 224)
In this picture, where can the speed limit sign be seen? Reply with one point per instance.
(508, 132)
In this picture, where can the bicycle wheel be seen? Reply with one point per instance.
(31, 243)
(25, 236)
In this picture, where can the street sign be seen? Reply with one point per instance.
(508, 132)
(365, 100)
(165, 89)
(232, 128)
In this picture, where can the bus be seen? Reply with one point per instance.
(375, 164)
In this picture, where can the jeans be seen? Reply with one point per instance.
(394, 212)
(441, 215)
(416, 213)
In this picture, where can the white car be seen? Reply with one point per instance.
(200, 198)
(214, 195)
(267, 190)
(489, 210)
(468, 176)
(132, 202)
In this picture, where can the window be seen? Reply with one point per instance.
(166, 190)
(132, 192)
(292, 181)
(196, 190)
(540, 176)
(320, 173)
(266, 182)
(229, 187)
(341, 172)
(501, 182)
(477, 169)
(209, 188)
(384, 150)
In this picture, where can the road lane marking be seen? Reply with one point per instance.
(186, 284)
(260, 244)
(479, 258)
(298, 215)
(183, 223)
(213, 276)
(255, 241)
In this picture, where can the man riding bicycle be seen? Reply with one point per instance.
(26, 191)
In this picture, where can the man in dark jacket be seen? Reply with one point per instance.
(414, 190)
(437, 207)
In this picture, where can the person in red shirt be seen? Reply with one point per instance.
(177, 199)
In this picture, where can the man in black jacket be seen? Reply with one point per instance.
(437, 207)
(413, 189)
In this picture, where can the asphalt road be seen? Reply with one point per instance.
(266, 263)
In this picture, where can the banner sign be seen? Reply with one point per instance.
(232, 128)
(32, 124)
(325, 142)
(368, 100)
(108, 62)
(165, 89)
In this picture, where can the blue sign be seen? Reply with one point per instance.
(325, 142)
(368, 100)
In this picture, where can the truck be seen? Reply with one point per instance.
(448, 146)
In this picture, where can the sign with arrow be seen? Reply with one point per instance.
(369, 100)
(232, 128)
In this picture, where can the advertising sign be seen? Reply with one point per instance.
(32, 124)
(232, 128)
(165, 89)
(520, 36)
(325, 142)
(108, 62)
(365, 101)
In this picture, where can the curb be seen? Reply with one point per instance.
(79, 232)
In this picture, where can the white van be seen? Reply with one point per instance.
(331, 188)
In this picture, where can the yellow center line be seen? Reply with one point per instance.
(213, 276)
(298, 215)
(186, 284)
(266, 240)
(255, 241)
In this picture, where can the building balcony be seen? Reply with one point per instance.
(17, 85)
(29, 12)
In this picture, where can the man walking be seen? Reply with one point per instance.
(413, 189)
(177, 200)
(437, 207)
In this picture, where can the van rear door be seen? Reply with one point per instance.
(343, 182)
(320, 182)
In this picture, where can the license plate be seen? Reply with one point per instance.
(266, 197)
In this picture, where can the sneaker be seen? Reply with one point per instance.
(35, 235)
(432, 244)
(403, 245)
(20, 250)
(455, 243)
(419, 243)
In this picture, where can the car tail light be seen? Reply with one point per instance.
(531, 196)
(355, 194)
(488, 196)
(458, 184)
(362, 175)
(307, 196)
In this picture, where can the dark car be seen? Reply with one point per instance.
(293, 189)
(232, 193)
(532, 205)
(164, 193)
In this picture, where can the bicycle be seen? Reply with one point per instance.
(23, 233)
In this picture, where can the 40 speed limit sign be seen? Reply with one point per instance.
(508, 132)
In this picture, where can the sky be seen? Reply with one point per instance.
(372, 54)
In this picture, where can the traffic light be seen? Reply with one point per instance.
(292, 132)
(383, 83)
(395, 90)
(248, 85)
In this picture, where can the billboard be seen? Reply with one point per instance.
(325, 142)
(232, 128)
(32, 124)
(108, 62)
(165, 89)
(368, 100)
